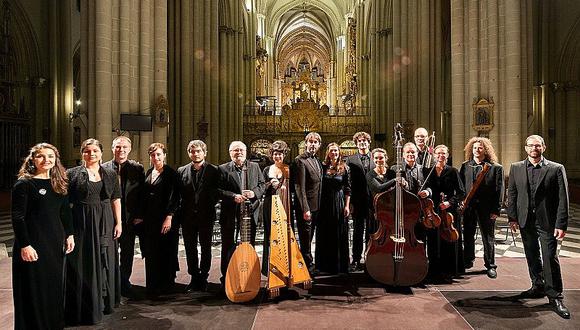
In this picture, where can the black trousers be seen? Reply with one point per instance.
(306, 231)
(127, 245)
(228, 234)
(471, 218)
(543, 265)
(360, 218)
(192, 233)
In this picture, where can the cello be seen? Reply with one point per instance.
(395, 256)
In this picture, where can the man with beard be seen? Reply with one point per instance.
(131, 179)
(240, 181)
(198, 192)
(485, 205)
(538, 205)
(307, 183)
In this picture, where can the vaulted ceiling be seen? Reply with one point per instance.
(305, 29)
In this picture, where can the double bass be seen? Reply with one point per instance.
(395, 256)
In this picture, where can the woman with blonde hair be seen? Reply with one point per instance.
(42, 224)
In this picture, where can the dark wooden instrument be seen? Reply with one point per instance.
(395, 256)
(478, 180)
(243, 275)
(431, 219)
(287, 266)
(448, 231)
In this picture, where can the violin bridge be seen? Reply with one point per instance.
(398, 239)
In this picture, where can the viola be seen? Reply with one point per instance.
(394, 255)
(432, 219)
(448, 231)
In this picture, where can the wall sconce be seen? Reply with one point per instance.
(76, 113)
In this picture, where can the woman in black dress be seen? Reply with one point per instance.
(92, 273)
(332, 228)
(445, 258)
(381, 178)
(277, 183)
(161, 239)
(41, 219)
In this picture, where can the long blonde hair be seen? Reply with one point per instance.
(58, 178)
(487, 148)
(341, 165)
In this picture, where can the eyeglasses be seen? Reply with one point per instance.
(238, 150)
(536, 146)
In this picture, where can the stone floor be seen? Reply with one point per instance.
(348, 301)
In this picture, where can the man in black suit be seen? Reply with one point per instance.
(307, 184)
(485, 205)
(413, 173)
(240, 181)
(131, 179)
(538, 205)
(198, 191)
(360, 164)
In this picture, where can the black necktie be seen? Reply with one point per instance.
(365, 162)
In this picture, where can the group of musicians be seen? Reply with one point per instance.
(155, 203)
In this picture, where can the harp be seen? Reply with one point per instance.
(286, 265)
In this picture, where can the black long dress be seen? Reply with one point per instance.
(42, 219)
(445, 258)
(332, 254)
(160, 199)
(267, 213)
(92, 270)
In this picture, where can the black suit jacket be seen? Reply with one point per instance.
(131, 185)
(360, 194)
(489, 196)
(307, 183)
(230, 185)
(551, 196)
(197, 202)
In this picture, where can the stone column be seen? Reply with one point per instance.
(61, 71)
(489, 60)
(123, 50)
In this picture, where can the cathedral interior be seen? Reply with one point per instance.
(260, 70)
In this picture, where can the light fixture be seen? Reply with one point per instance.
(76, 113)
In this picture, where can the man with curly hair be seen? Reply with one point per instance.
(484, 207)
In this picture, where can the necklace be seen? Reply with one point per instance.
(92, 175)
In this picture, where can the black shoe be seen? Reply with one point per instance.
(190, 287)
(197, 285)
(127, 291)
(491, 273)
(354, 266)
(559, 308)
(533, 293)
(468, 265)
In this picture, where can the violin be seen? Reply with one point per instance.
(448, 231)
(432, 219)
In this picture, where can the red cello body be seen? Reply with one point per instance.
(395, 256)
